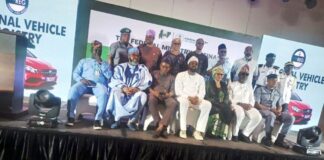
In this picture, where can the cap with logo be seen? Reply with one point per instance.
(125, 31)
(289, 63)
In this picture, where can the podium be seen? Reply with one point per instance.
(13, 47)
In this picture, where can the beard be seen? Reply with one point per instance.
(133, 63)
(193, 69)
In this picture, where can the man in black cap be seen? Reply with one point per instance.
(118, 50)
(259, 77)
(267, 101)
(223, 61)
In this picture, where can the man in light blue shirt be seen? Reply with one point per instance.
(92, 76)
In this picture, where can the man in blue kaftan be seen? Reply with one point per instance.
(128, 83)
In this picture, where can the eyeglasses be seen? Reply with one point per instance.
(176, 43)
(219, 74)
(243, 74)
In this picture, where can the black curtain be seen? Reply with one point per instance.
(50, 144)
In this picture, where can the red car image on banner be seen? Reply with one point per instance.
(38, 73)
(301, 111)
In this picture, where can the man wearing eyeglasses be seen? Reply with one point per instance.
(203, 60)
(246, 60)
(223, 61)
(242, 98)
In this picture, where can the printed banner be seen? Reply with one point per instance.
(50, 26)
(106, 27)
(307, 99)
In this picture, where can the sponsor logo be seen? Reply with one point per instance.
(164, 34)
(298, 58)
(17, 6)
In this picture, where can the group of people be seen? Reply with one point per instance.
(135, 80)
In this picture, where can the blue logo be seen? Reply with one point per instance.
(298, 58)
(17, 6)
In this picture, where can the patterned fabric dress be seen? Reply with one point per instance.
(220, 114)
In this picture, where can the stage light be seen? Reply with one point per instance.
(45, 108)
(310, 3)
(307, 141)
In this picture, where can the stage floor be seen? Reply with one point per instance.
(84, 128)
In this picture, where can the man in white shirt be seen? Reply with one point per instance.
(242, 98)
(287, 83)
(190, 92)
(247, 59)
(223, 61)
(260, 76)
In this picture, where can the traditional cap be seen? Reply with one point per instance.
(125, 31)
(133, 50)
(193, 58)
(150, 32)
(272, 76)
(221, 46)
(245, 68)
(218, 69)
(289, 63)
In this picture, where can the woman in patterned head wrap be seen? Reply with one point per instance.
(221, 113)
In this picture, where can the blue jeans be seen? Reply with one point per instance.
(79, 89)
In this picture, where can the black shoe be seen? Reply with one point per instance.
(235, 138)
(115, 125)
(282, 144)
(132, 126)
(140, 127)
(70, 122)
(280, 141)
(266, 141)
(97, 125)
(244, 138)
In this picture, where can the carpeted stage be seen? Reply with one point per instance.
(81, 142)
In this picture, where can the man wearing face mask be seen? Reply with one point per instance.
(150, 55)
(190, 91)
(92, 75)
(129, 81)
(267, 101)
(223, 61)
(118, 50)
(246, 60)
(242, 98)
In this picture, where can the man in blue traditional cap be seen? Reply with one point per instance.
(128, 83)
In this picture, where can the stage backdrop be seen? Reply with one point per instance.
(308, 62)
(50, 26)
(105, 27)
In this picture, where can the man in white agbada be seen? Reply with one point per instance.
(190, 92)
(246, 60)
(242, 98)
(129, 81)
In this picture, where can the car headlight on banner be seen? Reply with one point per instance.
(45, 108)
(295, 109)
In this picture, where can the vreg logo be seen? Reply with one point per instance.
(298, 58)
(17, 6)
